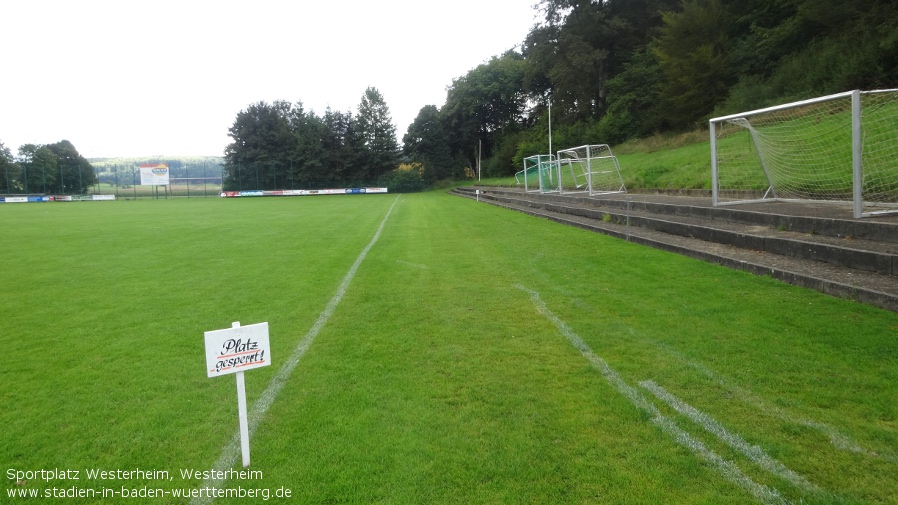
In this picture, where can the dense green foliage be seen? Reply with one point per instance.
(405, 179)
(51, 168)
(427, 142)
(7, 165)
(280, 145)
(616, 70)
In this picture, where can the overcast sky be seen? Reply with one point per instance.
(167, 78)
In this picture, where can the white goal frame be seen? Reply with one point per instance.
(538, 174)
(589, 169)
(871, 179)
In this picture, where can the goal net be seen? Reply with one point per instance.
(839, 148)
(538, 174)
(589, 169)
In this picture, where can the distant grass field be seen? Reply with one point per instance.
(477, 356)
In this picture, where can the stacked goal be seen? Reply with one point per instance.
(839, 148)
(589, 169)
(538, 174)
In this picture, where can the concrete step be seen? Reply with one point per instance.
(862, 269)
(749, 230)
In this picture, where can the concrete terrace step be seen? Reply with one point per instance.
(838, 255)
(743, 229)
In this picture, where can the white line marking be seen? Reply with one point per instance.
(753, 452)
(727, 468)
(838, 439)
(231, 451)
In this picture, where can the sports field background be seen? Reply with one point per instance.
(477, 356)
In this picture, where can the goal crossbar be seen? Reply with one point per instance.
(590, 169)
(839, 148)
(539, 174)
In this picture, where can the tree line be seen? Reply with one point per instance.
(615, 70)
(282, 145)
(52, 168)
(609, 70)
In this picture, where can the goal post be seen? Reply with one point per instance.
(590, 169)
(840, 148)
(538, 174)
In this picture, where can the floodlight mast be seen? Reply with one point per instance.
(479, 154)
(550, 125)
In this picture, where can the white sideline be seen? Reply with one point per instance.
(727, 468)
(837, 439)
(231, 451)
(753, 452)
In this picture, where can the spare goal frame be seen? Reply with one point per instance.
(857, 133)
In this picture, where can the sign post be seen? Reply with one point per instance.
(244, 423)
(235, 350)
(155, 174)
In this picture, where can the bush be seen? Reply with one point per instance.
(405, 179)
(614, 128)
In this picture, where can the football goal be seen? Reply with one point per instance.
(840, 148)
(538, 174)
(589, 169)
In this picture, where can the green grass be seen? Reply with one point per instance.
(436, 380)
(660, 162)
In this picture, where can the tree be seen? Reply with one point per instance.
(692, 51)
(485, 104)
(427, 142)
(9, 170)
(786, 50)
(76, 175)
(309, 166)
(263, 148)
(39, 168)
(378, 149)
(581, 45)
(340, 143)
(633, 98)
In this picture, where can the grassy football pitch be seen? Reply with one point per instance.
(443, 351)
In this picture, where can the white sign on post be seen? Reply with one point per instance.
(233, 351)
(237, 349)
(154, 174)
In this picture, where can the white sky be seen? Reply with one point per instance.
(167, 78)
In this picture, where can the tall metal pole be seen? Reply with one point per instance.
(715, 200)
(550, 128)
(857, 152)
(479, 154)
